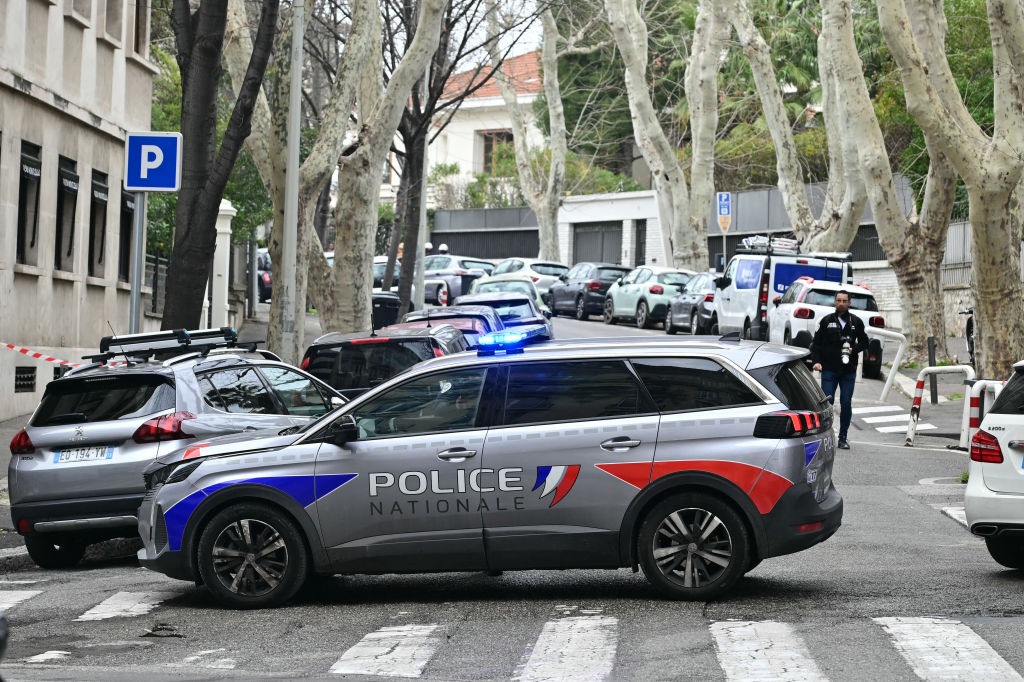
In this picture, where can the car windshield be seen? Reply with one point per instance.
(676, 278)
(549, 269)
(611, 274)
(491, 287)
(378, 270)
(512, 310)
(97, 399)
(363, 365)
(827, 297)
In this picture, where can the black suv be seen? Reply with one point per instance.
(581, 291)
(355, 363)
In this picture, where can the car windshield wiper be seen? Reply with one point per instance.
(288, 430)
(67, 418)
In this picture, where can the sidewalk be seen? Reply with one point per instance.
(255, 328)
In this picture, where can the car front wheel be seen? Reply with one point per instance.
(693, 546)
(694, 325)
(643, 316)
(1006, 551)
(54, 553)
(609, 311)
(252, 556)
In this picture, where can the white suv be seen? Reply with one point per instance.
(794, 317)
(994, 498)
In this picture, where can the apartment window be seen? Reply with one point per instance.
(97, 224)
(28, 204)
(79, 9)
(114, 19)
(140, 33)
(67, 202)
(124, 246)
(491, 139)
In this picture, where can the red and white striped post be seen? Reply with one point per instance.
(915, 408)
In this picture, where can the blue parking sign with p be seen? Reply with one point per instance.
(724, 203)
(152, 162)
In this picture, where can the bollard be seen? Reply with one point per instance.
(972, 413)
(895, 336)
(915, 408)
(933, 380)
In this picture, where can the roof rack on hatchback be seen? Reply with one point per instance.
(141, 347)
(246, 347)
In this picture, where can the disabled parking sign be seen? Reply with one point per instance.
(152, 162)
(724, 211)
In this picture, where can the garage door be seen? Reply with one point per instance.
(601, 242)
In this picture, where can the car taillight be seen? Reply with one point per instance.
(594, 285)
(790, 424)
(535, 279)
(438, 353)
(21, 444)
(709, 297)
(305, 362)
(167, 427)
(985, 448)
(266, 278)
(764, 297)
(657, 289)
(803, 313)
(877, 321)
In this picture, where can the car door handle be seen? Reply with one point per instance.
(1016, 443)
(456, 454)
(619, 444)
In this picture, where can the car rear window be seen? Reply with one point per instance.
(491, 287)
(1011, 398)
(611, 274)
(678, 278)
(792, 383)
(827, 297)
(512, 310)
(549, 269)
(363, 365)
(678, 384)
(99, 399)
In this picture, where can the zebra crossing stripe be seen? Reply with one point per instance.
(11, 598)
(48, 656)
(396, 651)
(887, 418)
(569, 649)
(946, 649)
(903, 429)
(763, 650)
(878, 408)
(125, 605)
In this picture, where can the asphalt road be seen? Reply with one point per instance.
(901, 592)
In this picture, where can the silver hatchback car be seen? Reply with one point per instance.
(75, 475)
(693, 459)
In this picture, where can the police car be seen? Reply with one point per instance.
(693, 460)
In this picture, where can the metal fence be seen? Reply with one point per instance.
(957, 263)
(156, 278)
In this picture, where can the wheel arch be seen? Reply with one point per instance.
(683, 482)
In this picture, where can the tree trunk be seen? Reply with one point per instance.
(413, 169)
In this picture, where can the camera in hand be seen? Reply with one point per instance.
(847, 349)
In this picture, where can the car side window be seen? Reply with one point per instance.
(501, 268)
(572, 391)
(631, 277)
(515, 266)
(575, 273)
(436, 403)
(679, 384)
(239, 390)
(299, 395)
(791, 293)
(730, 271)
(748, 274)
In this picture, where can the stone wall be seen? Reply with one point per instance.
(881, 279)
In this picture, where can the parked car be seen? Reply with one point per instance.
(471, 320)
(394, 481)
(793, 317)
(514, 309)
(994, 498)
(581, 291)
(643, 295)
(457, 272)
(515, 283)
(761, 270)
(543, 273)
(693, 308)
(75, 475)
(264, 274)
(355, 363)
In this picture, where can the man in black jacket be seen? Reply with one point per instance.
(840, 337)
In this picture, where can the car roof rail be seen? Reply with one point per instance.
(82, 368)
(144, 346)
(213, 349)
(731, 336)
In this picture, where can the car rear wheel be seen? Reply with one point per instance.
(581, 309)
(693, 546)
(252, 556)
(746, 329)
(694, 325)
(714, 325)
(54, 553)
(669, 327)
(1007, 551)
(609, 311)
(643, 316)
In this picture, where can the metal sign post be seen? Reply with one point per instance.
(152, 163)
(724, 219)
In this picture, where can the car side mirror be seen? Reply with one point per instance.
(336, 402)
(343, 430)
(618, 281)
(563, 277)
(547, 314)
(777, 300)
(722, 282)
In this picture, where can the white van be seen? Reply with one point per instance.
(761, 270)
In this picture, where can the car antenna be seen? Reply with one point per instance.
(114, 334)
(426, 311)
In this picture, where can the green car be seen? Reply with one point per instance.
(643, 295)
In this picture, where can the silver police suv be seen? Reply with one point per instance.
(693, 459)
(75, 475)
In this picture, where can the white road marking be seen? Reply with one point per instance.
(958, 514)
(945, 649)
(200, 659)
(126, 605)
(763, 650)
(19, 582)
(48, 656)
(879, 408)
(903, 429)
(394, 651)
(887, 418)
(11, 598)
(575, 648)
(917, 448)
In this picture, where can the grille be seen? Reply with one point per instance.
(160, 532)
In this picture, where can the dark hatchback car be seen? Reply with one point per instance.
(693, 308)
(471, 320)
(581, 291)
(513, 308)
(355, 363)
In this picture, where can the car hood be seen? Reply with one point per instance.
(247, 441)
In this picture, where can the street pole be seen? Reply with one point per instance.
(289, 247)
(724, 257)
(137, 256)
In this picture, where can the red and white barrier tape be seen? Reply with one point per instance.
(28, 352)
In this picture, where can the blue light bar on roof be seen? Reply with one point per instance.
(509, 340)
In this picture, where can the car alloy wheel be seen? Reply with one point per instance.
(252, 556)
(609, 311)
(693, 325)
(581, 309)
(669, 327)
(693, 546)
(643, 317)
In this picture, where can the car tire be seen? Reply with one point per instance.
(669, 327)
(714, 325)
(247, 588)
(581, 309)
(677, 564)
(746, 330)
(643, 316)
(1008, 552)
(53, 553)
(694, 325)
(609, 311)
